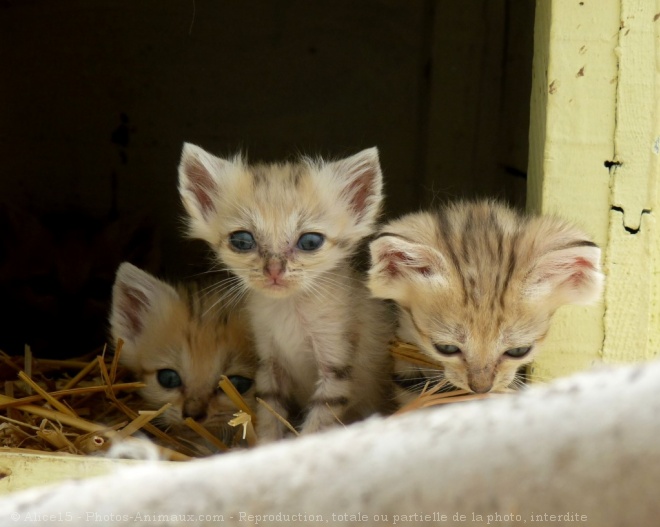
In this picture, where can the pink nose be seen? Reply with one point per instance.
(274, 269)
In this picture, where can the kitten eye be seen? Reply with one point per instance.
(310, 241)
(447, 349)
(169, 379)
(518, 352)
(242, 241)
(242, 384)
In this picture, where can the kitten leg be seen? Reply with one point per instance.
(334, 392)
(270, 389)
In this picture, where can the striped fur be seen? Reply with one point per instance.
(484, 278)
(188, 328)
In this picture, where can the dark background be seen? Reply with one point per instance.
(98, 97)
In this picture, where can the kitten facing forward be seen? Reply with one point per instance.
(477, 284)
(288, 231)
(179, 341)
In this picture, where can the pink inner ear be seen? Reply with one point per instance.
(573, 273)
(201, 184)
(398, 259)
(133, 305)
(578, 272)
(359, 191)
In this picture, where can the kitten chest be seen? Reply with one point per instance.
(283, 333)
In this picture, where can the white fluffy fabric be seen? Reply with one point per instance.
(581, 451)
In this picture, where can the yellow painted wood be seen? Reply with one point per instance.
(594, 145)
(21, 471)
(631, 300)
(631, 332)
(571, 136)
(634, 181)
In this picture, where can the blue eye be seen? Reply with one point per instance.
(517, 353)
(169, 379)
(242, 384)
(310, 241)
(242, 241)
(447, 349)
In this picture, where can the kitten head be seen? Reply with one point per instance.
(279, 227)
(477, 284)
(179, 341)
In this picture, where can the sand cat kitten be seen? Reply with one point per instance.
(477, 283)
(179, 341)
(288, 231)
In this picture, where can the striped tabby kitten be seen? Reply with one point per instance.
(477, 284)
(179, 341)
(288, 231)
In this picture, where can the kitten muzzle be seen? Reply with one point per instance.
(195, 409)
(274, 272)
(480, 383)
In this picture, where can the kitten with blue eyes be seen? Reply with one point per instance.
(288, 232)
(179, 340)
(477, 284)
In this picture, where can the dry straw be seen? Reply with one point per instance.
(84, 405)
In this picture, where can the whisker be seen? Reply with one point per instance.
(325, 292)
(228, 299)
(218, 270)
(345, 276)
(314, 290)
(325, 278)
(215, 287)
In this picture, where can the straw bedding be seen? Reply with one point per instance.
(85, 405)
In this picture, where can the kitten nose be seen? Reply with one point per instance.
(481, 379)
(274, 268)
(480, 385)
(195, 409)
(477, 388)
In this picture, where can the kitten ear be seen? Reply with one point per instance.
(199, 173)
(135, 295)
(362, 184)
(569, 275)
(395, 262)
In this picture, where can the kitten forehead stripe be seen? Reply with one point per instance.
(443, 221)
(510, 268)
(499, 254)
